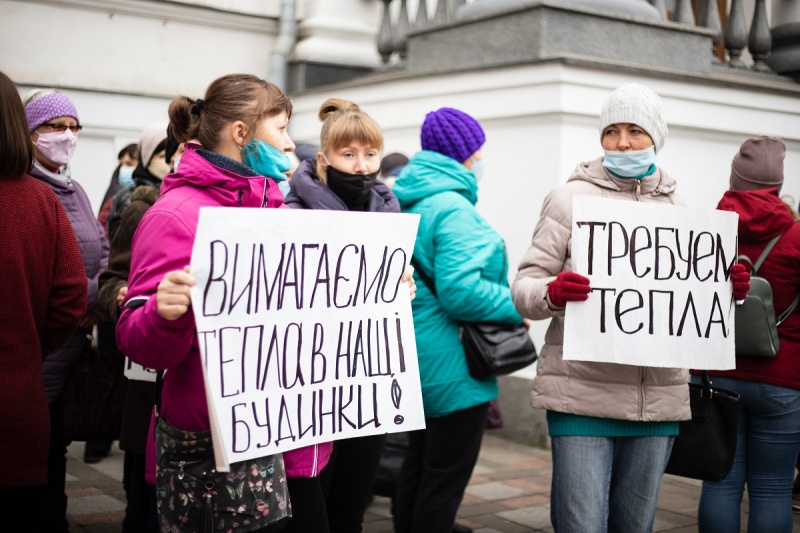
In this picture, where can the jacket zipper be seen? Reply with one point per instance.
(314, 466)
(240, 197)
(641, 394)
(638, 190)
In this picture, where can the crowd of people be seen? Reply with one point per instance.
(124, 277)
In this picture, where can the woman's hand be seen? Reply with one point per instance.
(121, 295)
(568, 287)
(740, 279)
(408, 277)
(172, 296)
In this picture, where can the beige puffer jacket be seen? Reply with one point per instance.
(603, 390)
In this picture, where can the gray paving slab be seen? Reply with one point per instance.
(509, 493)
(495, 491)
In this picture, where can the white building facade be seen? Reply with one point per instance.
(122, 61)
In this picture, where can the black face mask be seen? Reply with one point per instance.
(354, 189)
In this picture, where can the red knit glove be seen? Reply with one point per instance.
(740, 278)
(569, 287)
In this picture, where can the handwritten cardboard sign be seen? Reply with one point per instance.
(305, 327)
(661, 294)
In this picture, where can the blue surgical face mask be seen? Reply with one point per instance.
(265, 160)
(125, 176)
(477, 168)
(631, 163)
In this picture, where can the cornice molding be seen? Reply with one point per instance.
(172, 11)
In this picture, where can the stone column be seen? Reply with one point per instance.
(336, 42)
(785, 56)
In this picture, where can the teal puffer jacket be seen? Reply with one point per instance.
(467, 260)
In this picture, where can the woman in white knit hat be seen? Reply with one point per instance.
(609, 453)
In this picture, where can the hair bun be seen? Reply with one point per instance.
(332, 105)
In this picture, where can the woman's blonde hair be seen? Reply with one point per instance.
(342, 123)
(788, 201)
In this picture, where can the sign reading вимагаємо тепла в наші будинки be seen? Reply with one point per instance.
(305, 327)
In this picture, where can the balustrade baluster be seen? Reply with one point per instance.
(385, 40)
(735, 34)
(441, 12)
(660, 6)
(760, 43)
(683, 12)
(710, 19)
(401, 31)
(422, 16)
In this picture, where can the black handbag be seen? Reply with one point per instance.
(706, 445)
(93, 398)
(491, 349)
(496, 349)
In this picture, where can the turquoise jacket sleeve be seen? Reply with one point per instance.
(470, 266)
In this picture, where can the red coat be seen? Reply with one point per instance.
(762, 216)
(43, 296)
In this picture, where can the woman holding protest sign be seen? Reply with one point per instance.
(465, 262)
(343, 178)
(769, 387)
(241, 127)
(612, 425)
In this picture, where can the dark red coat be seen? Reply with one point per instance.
(762, 216)
(43, 296)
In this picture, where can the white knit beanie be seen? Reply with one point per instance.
(633, 103)
(151, 137)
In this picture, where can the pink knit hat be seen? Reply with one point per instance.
(759, 164)
(48, 107)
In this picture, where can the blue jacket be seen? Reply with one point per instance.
(467, 260)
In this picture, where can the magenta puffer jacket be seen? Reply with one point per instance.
(163, 243)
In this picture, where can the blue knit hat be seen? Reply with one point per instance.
(452, 133)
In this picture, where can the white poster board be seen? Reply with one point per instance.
(661, 294)
(304, 326)
(137, 372)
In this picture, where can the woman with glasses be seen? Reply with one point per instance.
(54, 126)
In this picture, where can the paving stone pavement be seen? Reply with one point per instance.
(509, 493)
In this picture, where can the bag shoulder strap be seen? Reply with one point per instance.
(425, 278)
(783, 316)
(765, 253)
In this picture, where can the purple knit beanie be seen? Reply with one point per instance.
(452, 133)
(48, 107)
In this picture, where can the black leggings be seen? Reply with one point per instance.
(308, 506)
(436, 471)
(347, 480)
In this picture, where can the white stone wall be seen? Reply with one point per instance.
(123, 60)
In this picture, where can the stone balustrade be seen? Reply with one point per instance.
(397, 23)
